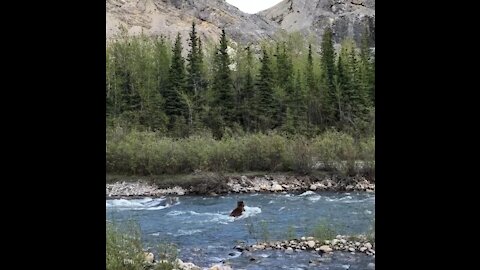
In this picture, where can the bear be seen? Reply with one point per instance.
(239, 210)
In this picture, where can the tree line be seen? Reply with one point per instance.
(286, 85)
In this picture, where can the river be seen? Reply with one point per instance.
(206, 235)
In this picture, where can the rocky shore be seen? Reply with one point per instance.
(358, 244)
(243, 184)
(178, 264)
(341, 243)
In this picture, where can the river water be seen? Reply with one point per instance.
(201, 228)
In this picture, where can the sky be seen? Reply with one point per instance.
(253, 6)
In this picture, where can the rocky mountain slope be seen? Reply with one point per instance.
(154, 17)
(167, 17)
(348, 18)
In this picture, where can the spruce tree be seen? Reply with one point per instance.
(328, 76)
(247, 97)
(174, 105)
(284, 69)
(299, 104)
(224, 99)
(284, 82)
(310, 79)
(162, 57)
(314, 102)
(265, 98)
(200, 99)
(194, 96)
(194, 62)
(366, 68)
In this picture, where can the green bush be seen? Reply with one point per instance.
(299, 156)
(136, 152)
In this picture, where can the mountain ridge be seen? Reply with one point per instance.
(347, 18)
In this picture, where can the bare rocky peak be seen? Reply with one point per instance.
(154, 17)
(167, 17)
(347, 18)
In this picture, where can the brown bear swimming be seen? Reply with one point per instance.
(239, 210)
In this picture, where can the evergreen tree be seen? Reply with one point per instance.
(224, 99)
(354, 97)
(342, 83)
(299, 103)
(284, 82)
(328, 75)
(247, 95)
(150, 86)
(314, 102)
(162, 55)
(265, 99)
(372, 81)
(366, 68)
(113, 99)
(194, 96)
(200, 99)
(310, 79)
(202, 81)
(194, 63)
(284, 69)
(174, 105)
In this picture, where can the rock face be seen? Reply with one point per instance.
(167, 17)
(347, 18)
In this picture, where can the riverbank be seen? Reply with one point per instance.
(357, 244)
(216, 184)
(341, 243)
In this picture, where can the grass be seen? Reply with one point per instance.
(265, 231)
(148, 153)
(167, 257)
(290, 233)
(251, 229)
(371, 233)
(124, 250)
(323, 231)
(124, 247)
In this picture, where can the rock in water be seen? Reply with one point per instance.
(220, 267)
(325, 249)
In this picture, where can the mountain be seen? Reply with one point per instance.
(167, 17)
(348, 18)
